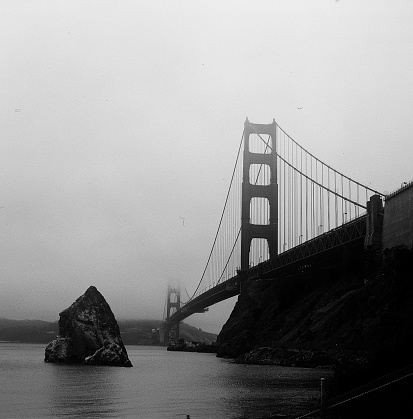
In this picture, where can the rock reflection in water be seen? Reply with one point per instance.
(84, 391)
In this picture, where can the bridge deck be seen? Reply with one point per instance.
(220, 292)
(299, 257)
(295, 260)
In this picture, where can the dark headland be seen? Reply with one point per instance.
(356, 319)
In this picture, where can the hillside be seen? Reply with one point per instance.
(360, 320)
(133, 332)
(27, 331)
(145, 332)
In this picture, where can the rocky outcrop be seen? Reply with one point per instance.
(88, 334)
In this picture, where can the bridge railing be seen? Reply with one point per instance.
(348, 232)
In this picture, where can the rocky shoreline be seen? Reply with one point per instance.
(304, 358)
(199, 347)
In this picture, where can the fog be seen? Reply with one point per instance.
(120, 119)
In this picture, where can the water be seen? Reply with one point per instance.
(160, 385)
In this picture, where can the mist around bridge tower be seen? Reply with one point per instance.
(120, 125)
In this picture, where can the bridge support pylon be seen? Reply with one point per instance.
(251, 190)
(173, 304)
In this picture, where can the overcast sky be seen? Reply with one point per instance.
(117, 118)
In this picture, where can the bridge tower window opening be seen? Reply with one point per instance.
(173, 300)
(260, 174)
(259, 211)
(259, 251)
(260, 144)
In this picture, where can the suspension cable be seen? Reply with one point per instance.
(319, 184)
(222, 216)
(314, 157)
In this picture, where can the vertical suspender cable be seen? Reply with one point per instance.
(301, 196)
(306, 197)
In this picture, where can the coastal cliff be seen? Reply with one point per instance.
(357, 320)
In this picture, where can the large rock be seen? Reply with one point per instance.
(88, 334)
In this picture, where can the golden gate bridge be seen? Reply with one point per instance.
(285, 211)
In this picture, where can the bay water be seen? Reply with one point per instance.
(160, 385)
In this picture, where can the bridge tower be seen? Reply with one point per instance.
(251, 190)
(173, 304)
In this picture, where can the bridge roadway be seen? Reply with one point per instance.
(324, 250)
